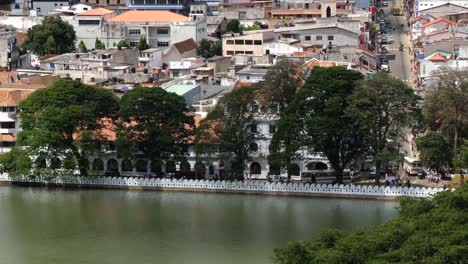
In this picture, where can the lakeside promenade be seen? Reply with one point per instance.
(242, 187)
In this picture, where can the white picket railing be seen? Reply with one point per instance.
(233, 186)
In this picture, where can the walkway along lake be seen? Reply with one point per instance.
(84, 226)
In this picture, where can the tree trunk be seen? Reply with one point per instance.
(378, 168)
(339, 175)
(455, 141)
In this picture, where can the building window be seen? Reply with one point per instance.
(230, 52)
(134, 31)
(163, 31)
(55, 4)
(163, 44)
(330, 37)
(107, 1)
(249, 52)
(242, 15)
(318, 38)
(230, 42)
(307, 38)
(239, 52)
(272, 129)
(248, 42)
(88, 22)
(7, 125)
(257, 42)
(118, 2)
(239, 42)
(97, 1)
(253, 128)
(132, 44)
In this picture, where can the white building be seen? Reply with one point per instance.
(9, 51)
(161, 28)
(89, 25)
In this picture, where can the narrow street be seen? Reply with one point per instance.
(399, 61)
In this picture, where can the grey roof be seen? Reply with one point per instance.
(258, 71)
(214, 20)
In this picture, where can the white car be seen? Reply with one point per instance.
(384, 68)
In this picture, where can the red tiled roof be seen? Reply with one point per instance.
(437, 57)
(440, 19)
(7, 138)
(186, 45)
(97, 12)
(149, 16)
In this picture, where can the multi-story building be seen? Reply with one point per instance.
(105, 3)
(9, 51)
(89, 25)
(308, 9)
(248, 43)
(438, 8)
(179, 6)
(161, 28)
(245, 11)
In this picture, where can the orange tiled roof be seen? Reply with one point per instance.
(10, 80)
(13, 98)
(7, 138)
(149, 16)
(440, 19)
(437, 57)
(97, 12)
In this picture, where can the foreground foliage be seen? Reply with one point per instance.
(427, 231)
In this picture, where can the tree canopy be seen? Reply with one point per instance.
(153, 124)
(446, 106)
(53, 35)
(66, 118)
(432, 230)
(142, 44)
(82, 46)
(121, 44)
(232, 121)
(209, 48)
(434, 151)
(233, 26)
(99, 44)
(322, 122)
(383, 107)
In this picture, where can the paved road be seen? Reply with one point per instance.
(400, 66)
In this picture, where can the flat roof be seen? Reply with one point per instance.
(181, 89)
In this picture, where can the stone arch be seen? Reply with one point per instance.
(255, 168)
(316, 165)
(253, 147)
(98, 164)
(329, 11)
(40, 162)
(185, 166)
(294, 169)
(112, 165)
(55, 163)
(211, 170)
(127, 165)
(141, 165)
(200, 169)
(170, 166)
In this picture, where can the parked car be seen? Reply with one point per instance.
(384, 68)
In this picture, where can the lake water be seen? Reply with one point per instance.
(47, 226)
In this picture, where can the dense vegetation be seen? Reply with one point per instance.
(427, 231)
(53, 36)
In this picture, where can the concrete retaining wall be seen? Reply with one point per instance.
(256, 187)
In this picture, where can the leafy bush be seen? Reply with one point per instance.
(427, 231)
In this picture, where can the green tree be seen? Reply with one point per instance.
(446, 106)
(16, 162)
(461, 160)
(82, 47)
(383, 107)
(233, 26)
(153, 124)
(66, 117)
(142, 44)
(322, 124)
(122, 44)
(99, 44)
(231, 123)
(434, 151)
(281, 84)
(209, 48)
(431, 230)
(53, 35)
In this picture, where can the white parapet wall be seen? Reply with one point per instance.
(258, 187)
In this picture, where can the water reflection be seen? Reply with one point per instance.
(111, 226)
